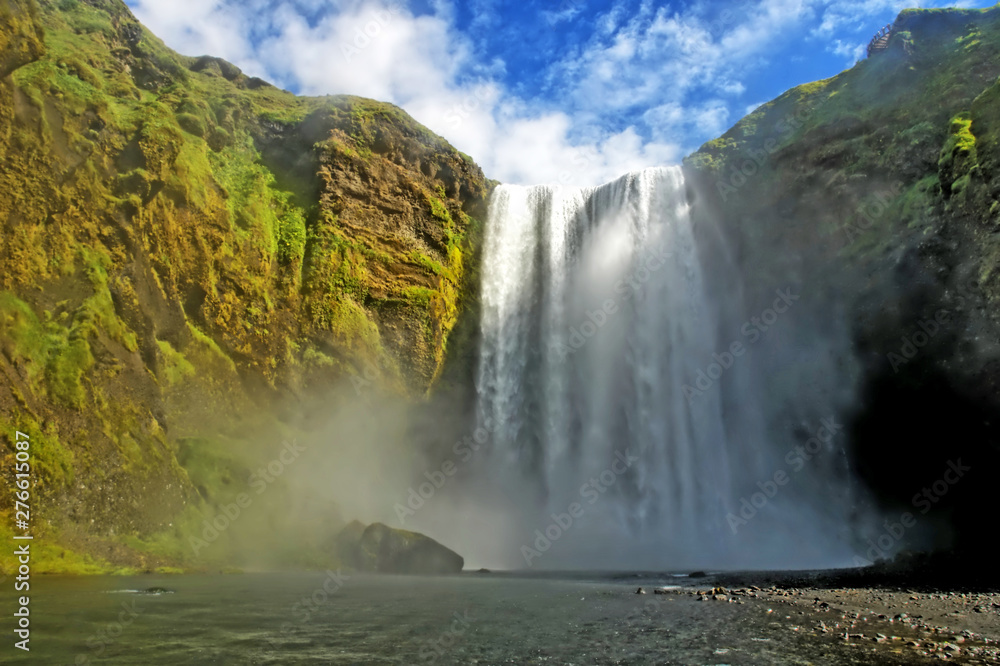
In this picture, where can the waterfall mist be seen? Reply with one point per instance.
(597, 324)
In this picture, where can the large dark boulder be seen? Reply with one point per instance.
(346, 544)
(383, 549)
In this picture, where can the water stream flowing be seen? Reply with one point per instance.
(596, 322)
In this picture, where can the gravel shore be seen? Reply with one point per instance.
(919, 624)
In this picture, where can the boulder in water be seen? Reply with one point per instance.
(383, 549)
(345, 545)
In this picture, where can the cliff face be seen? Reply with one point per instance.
(188, 252)
(21, 40)
(186, 249)
(876, 193)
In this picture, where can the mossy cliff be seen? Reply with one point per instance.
(876, 193)
(185, 247)
(189, 254)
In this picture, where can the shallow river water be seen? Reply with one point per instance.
(467, 619)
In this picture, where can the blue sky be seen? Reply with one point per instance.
(570, 91)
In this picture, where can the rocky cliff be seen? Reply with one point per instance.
(875, 193)
(189, 254)
(187, 250)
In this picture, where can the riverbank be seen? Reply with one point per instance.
(958, 626)
(865, 612)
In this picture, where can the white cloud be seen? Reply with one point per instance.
(373, 51)
(386, 52)
(732, 87)
(567, 11)
(202, 27)
(851, 51)
(709, 118)
(648, 82)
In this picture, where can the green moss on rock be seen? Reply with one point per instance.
(183, 243)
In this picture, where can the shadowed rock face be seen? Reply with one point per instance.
(382, 549)
(884, 207)
(345, 546)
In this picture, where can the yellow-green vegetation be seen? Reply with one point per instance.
(176, 368)
(958, 157)
(211, 352)
(52, 461)
(877, 98)
(182, 243)
(49, 557)
(21, 38)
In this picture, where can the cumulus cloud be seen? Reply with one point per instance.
(419, 62)
(197, 27)
(851, 51)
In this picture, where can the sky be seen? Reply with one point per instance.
(560, 91)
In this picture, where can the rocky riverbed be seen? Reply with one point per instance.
(916, 625)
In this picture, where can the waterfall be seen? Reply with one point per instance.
(595, 317)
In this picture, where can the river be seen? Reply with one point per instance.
(313, 618)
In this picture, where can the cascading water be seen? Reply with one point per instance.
(595, 316)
